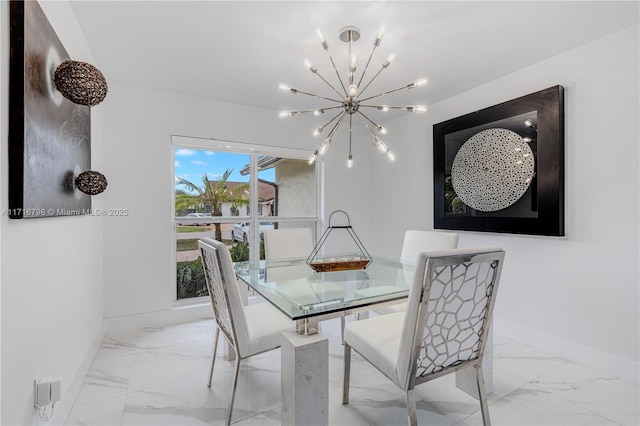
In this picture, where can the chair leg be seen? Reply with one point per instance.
(347, 374)
(482, 396)
(412, 415)
(233, 389)
(342, 322)
(213, 360)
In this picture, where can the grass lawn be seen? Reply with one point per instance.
(186, 245)
(193, 228)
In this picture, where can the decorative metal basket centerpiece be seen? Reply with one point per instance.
(340, 262)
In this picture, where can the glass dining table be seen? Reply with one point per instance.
(308, 297)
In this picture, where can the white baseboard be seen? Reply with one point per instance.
(63, 408)
(610, 364)
(174, 315)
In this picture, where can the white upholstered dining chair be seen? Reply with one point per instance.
(416, 241)
(443, 330)
(287, 243)
(250, 330)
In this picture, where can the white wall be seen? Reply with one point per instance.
(577, 294)
(138, 249)
(51, 269)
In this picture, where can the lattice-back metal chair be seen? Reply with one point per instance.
(250, 330)
(443, 330)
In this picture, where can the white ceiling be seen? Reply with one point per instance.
(240, 51)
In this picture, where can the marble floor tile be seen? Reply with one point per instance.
(158, 376)
(608, 396)
(523, 361)
(531, 405)
(117, 344)
(107, 378)
(105, 412)
(156, 367)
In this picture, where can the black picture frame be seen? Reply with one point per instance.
(540, 211)
(49, 136)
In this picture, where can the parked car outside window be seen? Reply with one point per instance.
(180, 221)
(240, 231)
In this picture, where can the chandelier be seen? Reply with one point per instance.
(351, 100)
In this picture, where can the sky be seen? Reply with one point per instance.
(191, 164)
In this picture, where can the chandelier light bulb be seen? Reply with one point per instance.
(353, 62)
(416, 108)
(312, 158)
(317, 112)
(353, 90)
(419, 82)
(309, 65)
(383, 108)
(324, 146)
(391, 156)
(325, 46)
(386, 63)
(317, 131)
(286, 88)
(382, 147)
(381, 129)
(350, 161)
(284, 114)
(381, 32)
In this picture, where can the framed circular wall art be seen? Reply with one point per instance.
(492, 170)
(501, 169)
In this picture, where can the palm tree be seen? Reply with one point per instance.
(216, 193)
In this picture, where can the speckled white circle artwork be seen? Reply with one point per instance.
(492, 169)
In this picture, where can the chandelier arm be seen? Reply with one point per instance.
(383, 93)
(319, 130)
(336, 126)
(350, 127)
(368, 119)
(306, 111)
(381, 106)
(318, 96)
(349, 73)
(364, 71)
(329, 84)
(367, 126)
(371, 81)
(337, 73)
(336, 116)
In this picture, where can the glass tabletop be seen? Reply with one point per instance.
(300, 292)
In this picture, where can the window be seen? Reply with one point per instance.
(217, 189)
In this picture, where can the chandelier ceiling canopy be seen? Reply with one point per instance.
(350, 99)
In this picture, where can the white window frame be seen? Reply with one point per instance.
(254, 151)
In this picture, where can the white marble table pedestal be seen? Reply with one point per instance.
(466, 378)
(305, 379)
